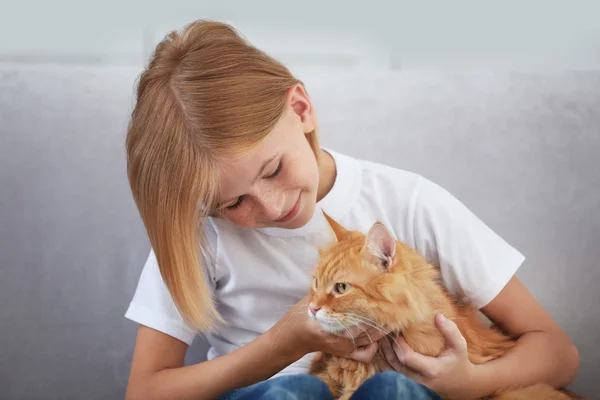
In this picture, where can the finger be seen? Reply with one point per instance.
(423, 365)
(355, 331)
(368, 337)
(448, 328)
(365, 353)
(390, 356)
(363, 341)
(381, 362)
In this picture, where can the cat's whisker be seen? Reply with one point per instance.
(358, 322)
(355, 322)
(296, 305)
(369, 322)
(281, 314)
(347, 331)
(281, 328)
(369, 336)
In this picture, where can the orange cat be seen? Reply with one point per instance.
(379, 281)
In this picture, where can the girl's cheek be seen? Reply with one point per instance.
(247, 216)
(241, 217)
(295, 176)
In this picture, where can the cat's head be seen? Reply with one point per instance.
(369, 279)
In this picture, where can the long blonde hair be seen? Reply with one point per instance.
(206, 92)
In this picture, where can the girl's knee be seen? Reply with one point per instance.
(297, 387)
(389, 378)
(392, 385)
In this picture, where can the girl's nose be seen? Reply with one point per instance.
(271, 203)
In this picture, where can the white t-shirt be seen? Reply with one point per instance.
(258, 274)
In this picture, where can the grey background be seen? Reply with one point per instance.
(520, 149)
(442, 35)
(394, 82)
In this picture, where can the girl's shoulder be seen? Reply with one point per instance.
(475, 261)
(366, 186)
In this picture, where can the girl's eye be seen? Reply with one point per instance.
(241, 198)
(341, 288)
(276, 172)
(236, 204)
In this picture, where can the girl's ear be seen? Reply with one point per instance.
(381, 245)
(300, 102)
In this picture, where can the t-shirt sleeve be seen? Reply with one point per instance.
(475, 263)
(152, 304)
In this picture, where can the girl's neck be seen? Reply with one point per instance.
(327, 174)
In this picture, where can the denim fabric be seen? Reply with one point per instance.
(288, 387)
(384, 386)
(393, 385)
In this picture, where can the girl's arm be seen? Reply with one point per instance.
(544, 352)
(157, 370)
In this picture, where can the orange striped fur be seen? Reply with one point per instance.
(402, 297)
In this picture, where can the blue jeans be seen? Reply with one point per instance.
(384, 386)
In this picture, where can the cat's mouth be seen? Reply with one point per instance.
(332, 324)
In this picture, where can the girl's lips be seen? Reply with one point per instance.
(292, 213)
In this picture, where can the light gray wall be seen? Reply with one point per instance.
(521, 150)
(536, 34)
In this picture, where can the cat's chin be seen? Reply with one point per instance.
(334, 327)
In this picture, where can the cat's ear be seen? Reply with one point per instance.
(338, 230)
(381, 244)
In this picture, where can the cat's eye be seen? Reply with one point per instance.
(341, 287)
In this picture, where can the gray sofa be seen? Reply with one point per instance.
(520, 149)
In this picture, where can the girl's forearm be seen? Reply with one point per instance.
(537, 357)
(255, 362)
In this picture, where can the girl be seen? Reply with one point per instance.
(228, 176)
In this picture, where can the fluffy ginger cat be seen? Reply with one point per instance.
(375, 280)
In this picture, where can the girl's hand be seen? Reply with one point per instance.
(445, 374)
(298, 334)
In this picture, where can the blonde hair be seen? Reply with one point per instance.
(205, 93)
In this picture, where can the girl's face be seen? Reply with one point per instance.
(276, 184)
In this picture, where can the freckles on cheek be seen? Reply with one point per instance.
(298, 179)
(265, 192)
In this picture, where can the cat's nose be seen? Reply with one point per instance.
(314, 309)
